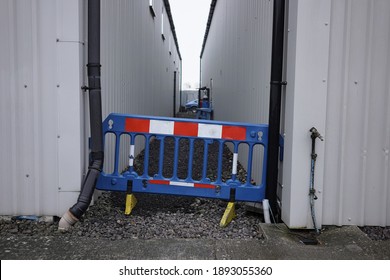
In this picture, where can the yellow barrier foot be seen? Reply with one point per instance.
(131, 201)
(229, 214)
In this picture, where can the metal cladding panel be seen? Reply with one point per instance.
(356, 181)
(31, 110)
(44, 114)
(237, 57)
(305, 107)
(137, 68)
(345, 61)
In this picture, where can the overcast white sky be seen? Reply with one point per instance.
(190, 19)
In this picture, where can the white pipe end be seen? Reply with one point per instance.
(267, 218)
(67, 221)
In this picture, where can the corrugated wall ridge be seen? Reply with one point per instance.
(138, 63)
(33, 83)
(237, 57)
(358, 136)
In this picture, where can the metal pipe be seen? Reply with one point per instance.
(312, 193)
(174, 94)
(267, 218)
(95, 108)
(275, 105)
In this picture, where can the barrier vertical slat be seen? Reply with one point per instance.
(161, 157)
(117, 147)
(190, 159)
(249, 168)
(131, 154)
(220, 155)
(205, 158)
(146, 157)
(176, 158)
(234, 161)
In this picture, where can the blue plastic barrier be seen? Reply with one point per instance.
(194, 130)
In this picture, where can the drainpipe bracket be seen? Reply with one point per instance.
(279, 83)
(85, 88)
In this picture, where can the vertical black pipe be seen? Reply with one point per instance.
(275, 105)
(174, 94)
(95, 109)
(200, 72)
(94, 74)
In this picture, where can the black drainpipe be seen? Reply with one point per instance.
(275, 106)
(174, 94)
(95, 109)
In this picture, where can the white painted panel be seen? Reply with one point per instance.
(45, 115)
(68, 20)
(237, 57)
(338, 69)
(137, 69)
(29, 108)
(69, 116)
(357, 188)
(306, 92)
(67, 199)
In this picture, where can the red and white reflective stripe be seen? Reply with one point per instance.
(210, 130)
(181, 184)
(161, 127)
(191, 129)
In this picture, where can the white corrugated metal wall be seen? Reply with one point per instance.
(356, 181)
(137, 71)
(338, 69)
(41, 57)
(337, 72)
(237, 57)
(44, 112)
(305, 107)
(138, 65)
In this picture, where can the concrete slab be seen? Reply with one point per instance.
(335, 243)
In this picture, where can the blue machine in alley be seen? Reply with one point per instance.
(205, 107)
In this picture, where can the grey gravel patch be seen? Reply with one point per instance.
(376, 232)
(154, 217)
(164, 216)
(158, 216)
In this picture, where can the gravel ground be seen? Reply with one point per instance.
(377, 233)
(154, 217)
(158, 216)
